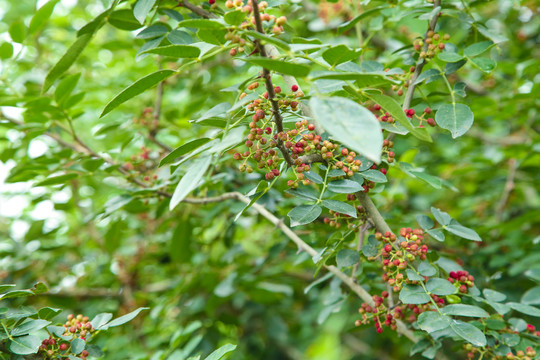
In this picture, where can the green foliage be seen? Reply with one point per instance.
(183, 201)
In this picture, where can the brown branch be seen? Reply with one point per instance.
(157, 115)
(508, 187)
(197, 10)
(419, 65)
(278, 119)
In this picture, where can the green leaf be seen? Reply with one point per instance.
(351, 124)
(268, 39)
(442, 217)
(124, 20)
(457, 118)
(212, 36)
(304, 193)
(464, 310)
(190, 181)
(6, 50)
(180, 37)
(450, 57)
(153, 32)
(41, 16)
(349, 24)
(344, 186)
(5, 287)
(100, 320)
(24, 345)
(126, 318)
(48, 313)
(362, 80)
(16, 293)
(313, 176)
(413, 276)
(17, 32)
(66, 61)
(437, 234)
(493, 295)
(175, 51)
(340, 207)
(201, 24)
(484, 64)
(531, 296)
(413, 294)
(180, 248)
(304, 214)
(65, 88)
(182, 150)
(431, 321)
(426, 269)
(456, 228)
(283, 67)
(392, 107)
(77, 345)
(142, 8)
(28, 327)
(219, 353)
(425, 222)
(469, 333)
(347, 257)
(374, 175)
(336, 55)
(138, 87)
(440, 287)
(525, 309)
(56, 180)
(478, 48)
(234, 17)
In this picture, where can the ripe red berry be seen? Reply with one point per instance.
(410, 112)
(294, 88)
(211, 2)
(431, 122)
(63, 346)
(383, 171)
(277, 89)
(427, 110)
(376, 107)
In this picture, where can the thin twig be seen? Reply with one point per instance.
(508, 187)
(419, 65)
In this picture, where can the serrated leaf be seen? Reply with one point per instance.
(41, 16)
(304, 214)
(282, 67)
(442, 217)
(336, 55)
(24, 345)
(350, 123)
(374, 175)
(413, 294)
(441, 287)
(425, 222)
(175, 51)
(431, 321)
(125, 318)
(457, 118)
(340, 207)
(190, 180)
(347, 257)
(344, 186)
(457, 229)
(469, 333)
(525, 309)
(392, 107)
(56, 180)
(142, 8)
(66, 60)
(137, 88)
(182, 150)
(219, 353)
(464, 310)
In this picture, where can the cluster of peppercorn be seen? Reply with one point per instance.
(77, 327)
(528, 354)
(337, 220)
(146, 119)
(461, 280)
(395, 259)
(436, 43)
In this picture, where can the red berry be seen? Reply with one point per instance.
(277, 89)
(311, 127)
(294, 88)
(211, 2)
(376, 107)
(410, 112)
(431, 122)
(427, 110)
(383, 171)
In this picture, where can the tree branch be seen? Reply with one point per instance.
(508, 187)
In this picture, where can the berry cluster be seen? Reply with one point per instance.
(461, 280)
(59, 347)
(436, 43)
(528, 354)
(338, 220)
(395, 259)
(146, 119)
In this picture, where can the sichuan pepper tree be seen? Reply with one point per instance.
(307, 125)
